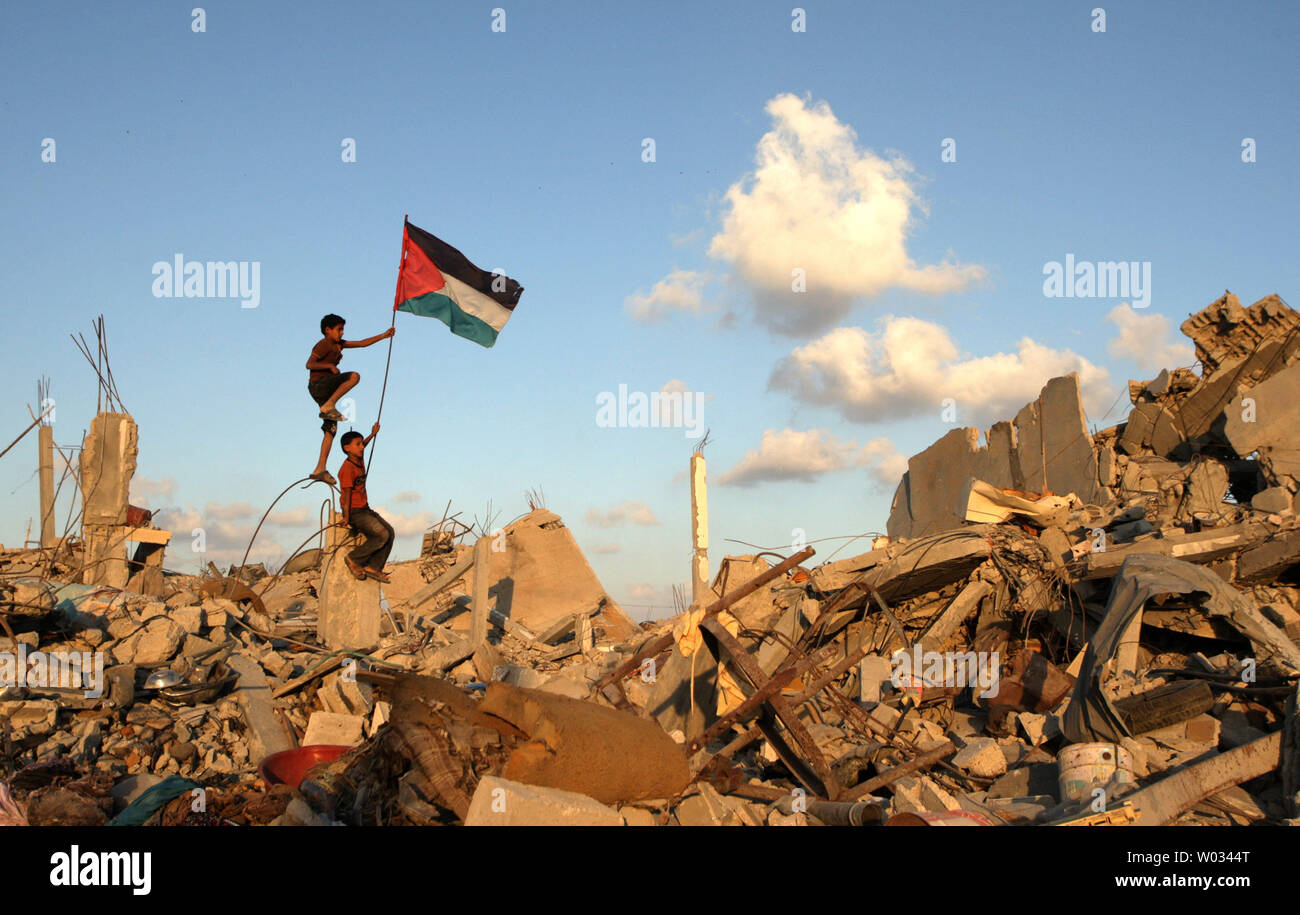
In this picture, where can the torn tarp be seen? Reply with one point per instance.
(1090, 715)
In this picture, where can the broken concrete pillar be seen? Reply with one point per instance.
(349, 613)
(699, 533)
(45, 443)
(478, 625)
(104, 555)
(108, 455)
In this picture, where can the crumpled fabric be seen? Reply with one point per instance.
(1090, 715)
(690, 639)
(11, 814)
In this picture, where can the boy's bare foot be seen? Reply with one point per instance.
(378, 576)
(324, 476)
(355, 567)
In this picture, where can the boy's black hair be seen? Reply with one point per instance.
(349, 437)
(330, 321)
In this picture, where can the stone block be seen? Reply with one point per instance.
(333, 729)
(499, 802)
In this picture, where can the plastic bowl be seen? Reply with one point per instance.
(289, 767)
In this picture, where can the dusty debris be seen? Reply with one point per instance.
(1050, 591)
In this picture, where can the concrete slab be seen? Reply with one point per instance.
(500, 802)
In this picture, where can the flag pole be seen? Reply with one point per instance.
(388, 361)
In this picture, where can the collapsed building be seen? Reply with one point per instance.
(1060, 627)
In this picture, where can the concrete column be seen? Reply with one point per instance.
(699, 533)
(478, 620)
(348, 612)
(45, 439)
(104, 555)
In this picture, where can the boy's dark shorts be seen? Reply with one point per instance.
(321, 390)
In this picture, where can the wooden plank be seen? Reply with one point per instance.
(148, 535)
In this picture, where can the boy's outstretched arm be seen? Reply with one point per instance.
(374, 430)
(349, 344)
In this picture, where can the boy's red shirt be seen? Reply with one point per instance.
(352, 475)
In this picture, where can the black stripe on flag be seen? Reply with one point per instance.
(448, 260)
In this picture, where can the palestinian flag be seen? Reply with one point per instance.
(437, 281)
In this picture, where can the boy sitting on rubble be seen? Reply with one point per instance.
(368, 559)
(326, 384)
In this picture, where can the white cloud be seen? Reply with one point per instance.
(819, 203)
(910, 366)
(144, 491)
(626, 512)
(791, 455)
(406, 496)
(224, 542)
(1147, 339)
(605, 548)
(681, 290)
(407, 525)
(641, 591)
(294, 517)
(233, 511)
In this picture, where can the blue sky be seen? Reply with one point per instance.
(524, 148)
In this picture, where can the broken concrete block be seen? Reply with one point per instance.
(637, 816)
(108, 458)
(188, 618)
(499, 802)
(936, 798)
(777, 818)
(1137, 430)
(1207, 484)
(982, 756)
(1267, 415)
(252, 696)
(874, 672)
(156, 643)
(333, 729)
(706, 808)
(1274, 499)
(348, 614)
(33, 717)
(1038, 729)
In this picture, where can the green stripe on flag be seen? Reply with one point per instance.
(461, 323)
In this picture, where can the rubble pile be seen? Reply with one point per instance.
(1060, 627)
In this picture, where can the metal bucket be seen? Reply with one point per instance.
(1086, 766)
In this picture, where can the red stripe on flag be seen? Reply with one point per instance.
(417, 276)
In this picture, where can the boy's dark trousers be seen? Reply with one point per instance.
(379, 534)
